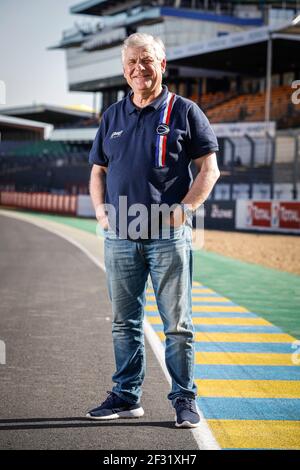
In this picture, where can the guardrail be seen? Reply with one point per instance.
(243, 214)
(44, 202)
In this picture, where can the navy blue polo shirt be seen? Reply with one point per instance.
(148, 151)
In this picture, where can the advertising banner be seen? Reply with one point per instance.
(219, 215)
(272, 216)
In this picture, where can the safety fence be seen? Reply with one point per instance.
(243, 214)
(44, 202)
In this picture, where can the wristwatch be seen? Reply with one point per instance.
(187, 211)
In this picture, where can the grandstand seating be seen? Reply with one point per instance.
(62, 166)
(209, 100)
(43, 148)
(7, 147)
(44, 165)
(81, 124)
(251, 107)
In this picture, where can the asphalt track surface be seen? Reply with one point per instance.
(55, 321)
(248, 380)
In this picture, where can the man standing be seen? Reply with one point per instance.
(142, 151)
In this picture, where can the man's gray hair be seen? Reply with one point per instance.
(145, 40)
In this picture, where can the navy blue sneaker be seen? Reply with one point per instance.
(187, 413)
(114, 407)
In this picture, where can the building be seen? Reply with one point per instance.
(237, 59)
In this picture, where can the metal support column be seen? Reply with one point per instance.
(252, 162)
(232, 162)
(272, 162)
(296, 167)
(268, 90)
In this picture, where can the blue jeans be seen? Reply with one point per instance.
(169, 263)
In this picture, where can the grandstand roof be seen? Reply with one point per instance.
(104, 7)
(100, 37)
(8, 121)
(245, 52)
(48, 114)
(9, 124)
(111, 7)
(72, 40)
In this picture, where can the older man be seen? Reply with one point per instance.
(142, 152)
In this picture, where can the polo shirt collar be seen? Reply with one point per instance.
(154, 104)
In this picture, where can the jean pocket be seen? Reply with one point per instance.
(171, 232)
(109, 233)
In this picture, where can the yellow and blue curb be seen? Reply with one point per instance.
(248, 384)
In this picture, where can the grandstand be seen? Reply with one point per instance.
(250, 107)
(13, 129)
(33, 160)
(217, 55)
(58, 116)
(94, 63)
(237, 60)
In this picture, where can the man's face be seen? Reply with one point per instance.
(142, 70)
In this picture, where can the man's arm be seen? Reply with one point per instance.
(97, 192)
(204, 182)
(201, 187)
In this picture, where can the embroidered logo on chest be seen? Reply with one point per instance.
(115, 135)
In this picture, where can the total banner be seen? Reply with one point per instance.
(271, 216)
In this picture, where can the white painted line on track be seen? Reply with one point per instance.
(202, 435)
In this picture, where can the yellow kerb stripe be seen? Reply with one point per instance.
(244, 359)
(156, 320)
(248, 388)
(206, 308)
(255, 434)
(195, 290)
(239, 337)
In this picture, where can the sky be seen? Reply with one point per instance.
(31, 73)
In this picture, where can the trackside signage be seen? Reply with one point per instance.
(219, 215)
(289, 215)
(279, 216)
(259, 214)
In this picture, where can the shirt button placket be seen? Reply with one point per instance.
(140, 123)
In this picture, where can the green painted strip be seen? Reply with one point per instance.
(88, 225)
(270, 293)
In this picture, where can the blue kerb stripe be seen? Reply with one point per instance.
(224, 315)
(196, 302)
(230, 329)
(213, 314)
(286, 409)
(158, 136)
(199, 296)
(280, 348)
(237, 328)
(228, 372)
